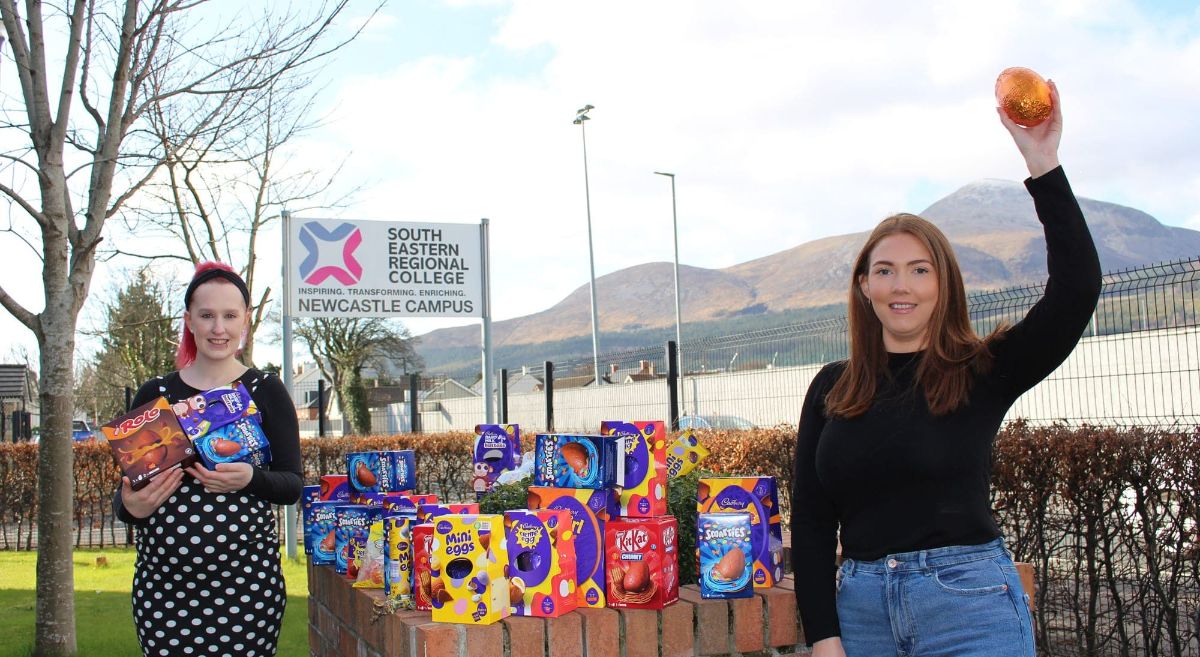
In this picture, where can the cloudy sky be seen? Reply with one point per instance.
(783, 121)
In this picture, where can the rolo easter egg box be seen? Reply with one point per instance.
(590, 510)
(497, 449)
(579, 461)
(541, 562)
(723, 543)
(644, 488)
(466, 569)
(148, 441)
(642, 562)
(756, 496)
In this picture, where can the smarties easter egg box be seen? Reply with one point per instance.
(579, 461)
(148, 441)
(381, 472)
(723, 541)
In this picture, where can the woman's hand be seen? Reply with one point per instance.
(831, 647)
(1039, 144)
(227, 478)
(145, 501)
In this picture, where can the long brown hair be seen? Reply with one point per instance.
(953, 351)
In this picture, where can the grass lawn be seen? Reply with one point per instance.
(103, 615)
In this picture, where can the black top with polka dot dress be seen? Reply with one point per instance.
(207, 579)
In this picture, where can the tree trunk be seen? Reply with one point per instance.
(354, 402)
(55, 616)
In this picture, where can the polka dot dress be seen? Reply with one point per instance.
(208, 580)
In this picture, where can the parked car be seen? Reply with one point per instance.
(714, 422)
(81, 430)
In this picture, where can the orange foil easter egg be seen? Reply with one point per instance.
(226, 447)
(576, 456)
(636, 577)
(1024, 96)
(731, 566)
(364, 475)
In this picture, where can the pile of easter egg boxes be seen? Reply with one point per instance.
(596, 531)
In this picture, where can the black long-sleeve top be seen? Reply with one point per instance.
(279, 482)
(899, 479)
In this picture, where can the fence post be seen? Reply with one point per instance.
(414, 415)
(503, 396)
(548, 369)
(673, 384)
(128, 398)
(320, 407)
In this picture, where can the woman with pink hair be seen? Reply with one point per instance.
(208, 578)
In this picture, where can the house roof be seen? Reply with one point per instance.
(574, 381)
(17, 382)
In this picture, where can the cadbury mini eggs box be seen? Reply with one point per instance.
(466, 569)
(644, 489)
(353, 525)
(381, 472)
(335, 488)
(541, 562)
(208, 410)
(497, 449)
(322, 533)
(756, 496)
(590, 510)
(579, 461)
(241, 441)
(685, 454)
(724, 546)
(148, 441)
(397, 557)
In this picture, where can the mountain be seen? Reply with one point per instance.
(991, 223)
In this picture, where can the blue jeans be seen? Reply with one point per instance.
(962, 600)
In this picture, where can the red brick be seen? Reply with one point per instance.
(781, 624)
(747, 615)
(526, 636)
(788, 582)
(484, 640)
(712, 622)
(564, 636)
(370, 629)
(347, 641)
(439, 640)
(601, 632)
(327, 623)
(640, 629)
(314, 638)
(678, 630)
(409, 622)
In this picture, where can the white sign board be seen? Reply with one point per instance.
(341, 268)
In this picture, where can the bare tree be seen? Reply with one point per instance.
(343, 347)
(89, 145)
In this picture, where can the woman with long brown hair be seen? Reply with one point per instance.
(893, 455)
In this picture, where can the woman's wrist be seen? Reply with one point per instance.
(1040, 166)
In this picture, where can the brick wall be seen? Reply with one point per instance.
(340, 625)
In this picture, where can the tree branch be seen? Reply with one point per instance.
(31, 321)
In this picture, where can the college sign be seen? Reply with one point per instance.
(342, 268)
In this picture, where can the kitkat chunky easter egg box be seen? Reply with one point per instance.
(466, 569)
(756, 496)
(642, 562)
(644, 488)
(541, 562)
(148, 441)
(579, 461)
(497, 450)
(590, 510)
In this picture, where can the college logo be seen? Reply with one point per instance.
(324, 246)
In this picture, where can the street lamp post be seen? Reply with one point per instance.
(581, 119)
(678, 314)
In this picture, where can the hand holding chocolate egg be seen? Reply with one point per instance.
(1024, 96)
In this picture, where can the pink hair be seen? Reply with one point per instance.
(186, 353)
